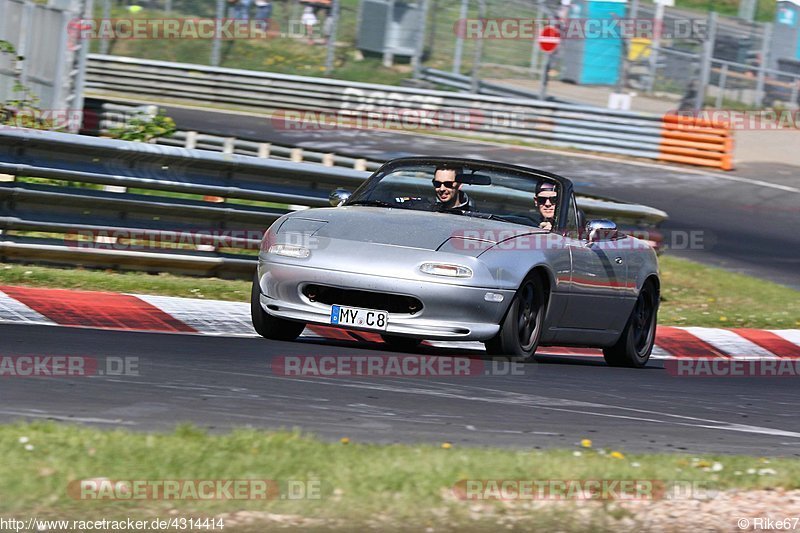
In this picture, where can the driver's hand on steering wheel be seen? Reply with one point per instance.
(546, 225)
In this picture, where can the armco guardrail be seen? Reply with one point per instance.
(559, 124)
(234, 145)
(100, 117)
(464, 83)
(161, 192)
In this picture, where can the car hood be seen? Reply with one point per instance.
(399, 227)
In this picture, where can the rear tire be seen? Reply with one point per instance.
(522, 326)
(268, 326)
(405, 344)
(634, 346)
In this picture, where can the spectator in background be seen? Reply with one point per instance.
(240, 9)
(263, 14)
(689, 97)
(263, 9)
(309, 20)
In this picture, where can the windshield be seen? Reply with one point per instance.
(462, 190)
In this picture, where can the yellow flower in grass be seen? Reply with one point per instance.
(446, 445)
(586, 443)
(617, 455)
(344, 440)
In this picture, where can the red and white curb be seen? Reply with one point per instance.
(166, 314)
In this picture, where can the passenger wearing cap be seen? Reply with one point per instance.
(545, 201)
(448, 191)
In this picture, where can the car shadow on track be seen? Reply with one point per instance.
(360, 341)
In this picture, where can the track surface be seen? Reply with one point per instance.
(222, 383)
(752, 228)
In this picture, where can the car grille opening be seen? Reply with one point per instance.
(393, 303)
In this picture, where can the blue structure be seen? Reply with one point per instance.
(590, 55)
(786, 32)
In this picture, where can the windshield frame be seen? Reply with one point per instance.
(474, 164)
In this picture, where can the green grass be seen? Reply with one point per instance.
(692, 294)
(406, 486)
(698, 295)
(131, 282)
(287, 55)
(765, 9)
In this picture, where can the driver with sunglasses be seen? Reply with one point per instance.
(546, 200)
(448, 191)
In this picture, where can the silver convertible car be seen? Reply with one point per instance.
(458, 249)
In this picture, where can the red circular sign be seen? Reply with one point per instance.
(549, 38)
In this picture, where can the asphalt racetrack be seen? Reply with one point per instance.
(226, 382)
(222, 383)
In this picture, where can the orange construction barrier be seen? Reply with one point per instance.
(696, 141)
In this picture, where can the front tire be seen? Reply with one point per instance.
(268, 326)
(634, 346)
(522, 326)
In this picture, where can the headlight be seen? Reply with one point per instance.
(443, 269)
(289, 250)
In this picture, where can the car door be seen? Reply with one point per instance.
(598, 280)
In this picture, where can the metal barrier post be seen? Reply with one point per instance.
(420, 48)
(763, 62)
(329, 56)
(476, 61)
(191, 140)
(105, 44)
(705, 65)
(723, 81)
(462, 16)
(655, 44)
(217, 44)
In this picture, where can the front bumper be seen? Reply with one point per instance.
(450, 312)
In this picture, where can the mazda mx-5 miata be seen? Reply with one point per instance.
(487, 262)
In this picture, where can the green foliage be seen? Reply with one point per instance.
(144, 128)
(23, 110)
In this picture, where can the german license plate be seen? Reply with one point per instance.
(359, 318)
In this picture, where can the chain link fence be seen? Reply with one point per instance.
(46, 68)
(688, 58)
(694, 60)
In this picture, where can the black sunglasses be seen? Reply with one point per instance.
(448, 184)
(543, 199)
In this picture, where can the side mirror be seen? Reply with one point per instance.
(601, 230)
(338, 197)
